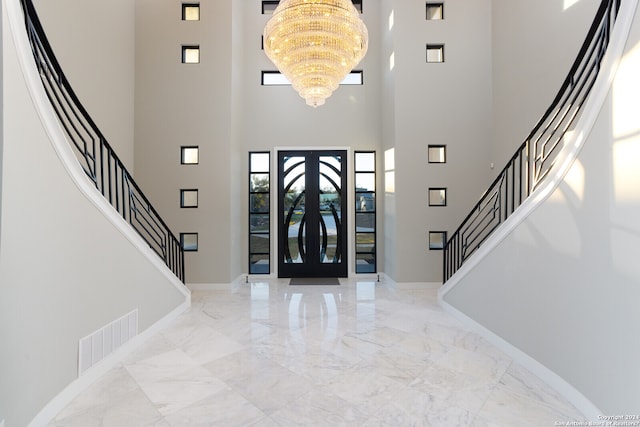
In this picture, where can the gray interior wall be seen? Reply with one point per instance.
(187, 104)
(277, 117)
(221, 106)
(1, 135)
(438, 103)
(2, 405)
(387, 234)
(238, 156)
(65, 270)
(93, 43)
(534, 45)
(563, 286)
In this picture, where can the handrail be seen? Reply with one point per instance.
(96, 156)
(535, 157)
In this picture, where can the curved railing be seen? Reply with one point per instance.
(96, 156)
(536, 156)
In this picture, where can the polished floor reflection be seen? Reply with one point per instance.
(362, 354)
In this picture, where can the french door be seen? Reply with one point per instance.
(312, 213)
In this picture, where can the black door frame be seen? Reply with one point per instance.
(312, 267)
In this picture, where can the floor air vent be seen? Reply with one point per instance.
(99, 344)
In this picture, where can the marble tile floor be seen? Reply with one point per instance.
(359, 354)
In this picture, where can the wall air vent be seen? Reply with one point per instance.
(99, 344)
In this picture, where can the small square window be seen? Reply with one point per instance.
(190, 54)
(435, 11)
(437, 240)
(269, 6)
(276, 78)
(437, 197)
(437, 154)
(190, 11)
(189, 242)
(353, 78)
(188, 198)
(435, 53)
(189, 155)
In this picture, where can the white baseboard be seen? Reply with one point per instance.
(566, 390)
(418, 285)
(59, 402)
(210, 286)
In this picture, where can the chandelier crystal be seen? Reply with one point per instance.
(315, 44)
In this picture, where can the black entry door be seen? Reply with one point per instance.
(312, 214)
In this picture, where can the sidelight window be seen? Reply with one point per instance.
(259, 213)
(365, 200)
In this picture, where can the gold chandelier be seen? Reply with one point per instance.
(315, 44)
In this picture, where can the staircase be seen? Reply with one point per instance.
(536, 156)
(97, 158)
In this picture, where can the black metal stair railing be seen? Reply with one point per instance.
(96, 156)
(536, 156)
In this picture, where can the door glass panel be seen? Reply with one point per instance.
(294, 209)
(330, 202)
